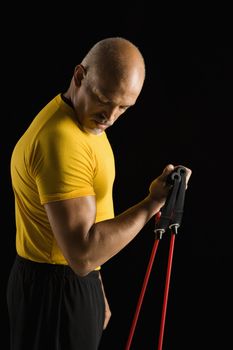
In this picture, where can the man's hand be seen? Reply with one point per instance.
(108, 313)
(159, 188)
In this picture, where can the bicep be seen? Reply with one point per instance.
(71, 221)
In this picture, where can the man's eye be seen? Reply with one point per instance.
(99, 100)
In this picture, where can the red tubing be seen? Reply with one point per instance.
(169, 267)
(147, 275)
(166, 291)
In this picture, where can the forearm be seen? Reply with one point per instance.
(106, 238)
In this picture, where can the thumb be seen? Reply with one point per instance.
(167, 170)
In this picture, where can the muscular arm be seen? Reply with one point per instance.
(86, 244)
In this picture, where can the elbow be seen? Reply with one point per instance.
(81, 256)
(81, 271)
(81, 267)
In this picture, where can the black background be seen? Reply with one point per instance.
(182, 116)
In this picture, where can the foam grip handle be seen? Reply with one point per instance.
(176, 174)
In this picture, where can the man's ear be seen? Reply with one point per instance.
(79, 74)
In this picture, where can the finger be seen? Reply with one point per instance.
(188, 172)
(168, 169)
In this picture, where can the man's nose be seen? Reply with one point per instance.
(111, 114)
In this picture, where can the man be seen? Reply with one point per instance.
(62, 175)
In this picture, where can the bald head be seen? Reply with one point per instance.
(115, 58)
(106, 83)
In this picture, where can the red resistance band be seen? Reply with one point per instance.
(170, 217)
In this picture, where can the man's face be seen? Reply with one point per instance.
(99, 103)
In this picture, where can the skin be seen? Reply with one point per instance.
(98, 102)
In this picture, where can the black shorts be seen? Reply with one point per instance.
(51, 308)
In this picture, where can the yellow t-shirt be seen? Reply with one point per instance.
(55, 160)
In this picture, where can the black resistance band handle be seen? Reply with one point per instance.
(172, 211)
(176, 174)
